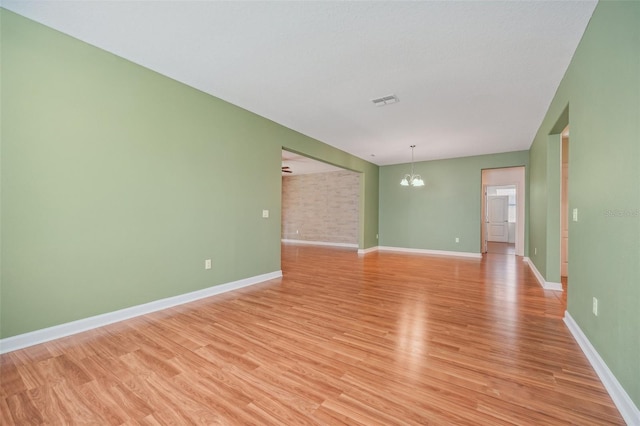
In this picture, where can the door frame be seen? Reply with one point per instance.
(564, 203)
(515, 175)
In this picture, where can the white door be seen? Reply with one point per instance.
(497, 218)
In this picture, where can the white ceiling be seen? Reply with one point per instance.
(472, 77)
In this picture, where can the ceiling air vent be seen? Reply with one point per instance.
(385, 100)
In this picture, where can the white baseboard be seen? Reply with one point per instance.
(628, 410)
(368, 250)
(46, 334)
(319, 243)
(547, 285)
(432, 252)
(550, 285)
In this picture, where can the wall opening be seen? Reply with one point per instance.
(320, 202)
(564, 211)
(501, 219)
(504, 188)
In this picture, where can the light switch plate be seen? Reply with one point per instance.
(265, 213)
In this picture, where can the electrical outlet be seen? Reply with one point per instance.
(207, 264)
(595, 306)
(265, 214)
(457, 239)
(575, 215)
(535, 250)
(376, 236)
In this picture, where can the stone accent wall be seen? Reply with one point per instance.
(321, 207)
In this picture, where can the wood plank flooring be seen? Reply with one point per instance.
(386, 338)
(501, 248)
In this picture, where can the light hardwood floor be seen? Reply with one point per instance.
(501, 248)
(384, 338)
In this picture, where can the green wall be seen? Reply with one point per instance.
(117, 183)
(448, 206)
(602, 92)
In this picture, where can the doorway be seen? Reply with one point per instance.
(564, 211)
(320, 203)
(501, 219)
(503, 211)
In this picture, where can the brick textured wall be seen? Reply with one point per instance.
(321, 207)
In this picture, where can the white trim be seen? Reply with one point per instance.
(368, 250)
(319, 243)
(547, 285)
(46, 334)
(535, 271)
(550, 285)
(620, 397)
(432, 252)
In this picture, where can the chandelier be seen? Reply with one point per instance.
(412, 179)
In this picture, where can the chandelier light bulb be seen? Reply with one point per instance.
(412, 179)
